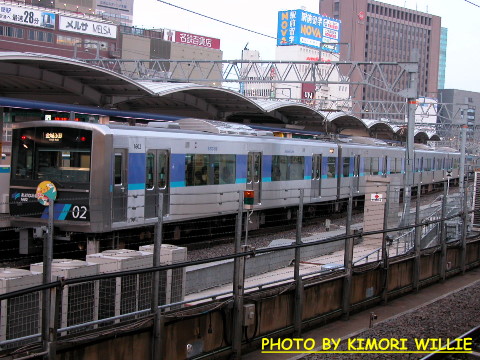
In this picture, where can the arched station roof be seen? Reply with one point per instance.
(190, 100)
(49, 78)
(42, 77)
(340, 122)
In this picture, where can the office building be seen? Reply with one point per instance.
(443, 58)
(380, 32)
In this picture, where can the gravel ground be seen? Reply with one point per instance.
(264, 240)
(449, 317)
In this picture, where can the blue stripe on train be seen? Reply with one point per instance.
(241, 169)
(136, 170)
(139, 186)
(60, 211)
(177, 170)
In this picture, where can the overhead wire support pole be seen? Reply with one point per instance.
(417, 241)
(348, 260)
(463, 193)
(298, 310)
(443, 238)
(238, 285)
(157, 313)
(47, 321)
(411, 93)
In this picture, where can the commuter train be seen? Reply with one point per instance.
(108, 177)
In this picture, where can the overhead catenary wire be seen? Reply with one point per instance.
(218, 20)
(472, 3)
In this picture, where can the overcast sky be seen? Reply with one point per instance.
(459, 16)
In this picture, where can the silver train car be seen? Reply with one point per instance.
(108, 177)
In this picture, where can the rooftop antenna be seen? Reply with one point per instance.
(246, 48)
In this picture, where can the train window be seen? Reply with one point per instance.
(418, 164)
(162, 166)
(279, 168)
(331, 167)
(367, 169)
(346, 167)
(316, 167)
(375, 166)
(296, 167)
(22, 162)
(398, 166)
(286, 168)
(196, 170)
(150, 165)
(69, 166)
(118, 169)
(428, 166)
(50, 153)
(224, 169)
(203, 169)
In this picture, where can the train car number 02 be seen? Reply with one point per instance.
(79, 212)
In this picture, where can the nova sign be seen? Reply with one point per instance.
(299, 27)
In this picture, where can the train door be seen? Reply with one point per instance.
(254, 174)
(157, 182)
(316, 175)
(120, 186)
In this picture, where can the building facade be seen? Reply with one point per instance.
(140, 44)
(36, 29)
(118, 11)
(443, 58)
(380, 32)
(460, 109)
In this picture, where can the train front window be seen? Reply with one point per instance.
(63, 165)
(54, 154)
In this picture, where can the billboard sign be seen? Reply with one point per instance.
(123, 6)
(191, 39)
(299, 27)
(82, 26)
(26, 16)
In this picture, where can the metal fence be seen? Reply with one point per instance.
(84, 298)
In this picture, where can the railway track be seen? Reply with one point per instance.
(473, 334)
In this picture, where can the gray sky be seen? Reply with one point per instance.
(460, 17)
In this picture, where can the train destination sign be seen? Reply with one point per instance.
(53, 136)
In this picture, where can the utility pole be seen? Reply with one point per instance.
(411, 95)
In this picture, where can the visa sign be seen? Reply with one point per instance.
(299, 27)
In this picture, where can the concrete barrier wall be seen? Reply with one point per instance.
(202, 277)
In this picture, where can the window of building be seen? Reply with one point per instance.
(68, 40)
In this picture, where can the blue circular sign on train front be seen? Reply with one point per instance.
(46, 191)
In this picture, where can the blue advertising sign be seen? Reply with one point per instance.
(299, 27)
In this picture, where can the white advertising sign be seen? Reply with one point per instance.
(28, 17)
(81, 26)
